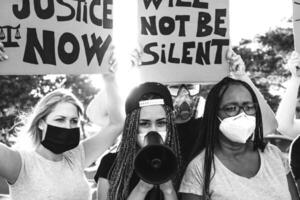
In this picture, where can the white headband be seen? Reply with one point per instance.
(151, 102)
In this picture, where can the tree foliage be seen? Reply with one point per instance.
(265, 64)
(21, 93)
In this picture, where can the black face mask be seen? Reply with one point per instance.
(59, 140)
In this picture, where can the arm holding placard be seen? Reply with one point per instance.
(10, 169)
(287, 123)
(95, 145)
(237, 68)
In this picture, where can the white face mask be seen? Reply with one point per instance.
(238, 128)
(141, 137)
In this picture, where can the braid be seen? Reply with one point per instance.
(211, 129)
(173, 142)
(122, 169)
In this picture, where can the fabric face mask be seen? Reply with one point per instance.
(141, 137)
(59, 140)
(238, 128)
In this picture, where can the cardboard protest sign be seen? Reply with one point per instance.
(55, 36)
(296, 24)
(183, 40)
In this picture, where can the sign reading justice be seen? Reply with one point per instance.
(183, 40)
(55, 36)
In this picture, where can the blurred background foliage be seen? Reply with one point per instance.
(21, 93)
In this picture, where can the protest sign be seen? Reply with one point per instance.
(55, 36)
(183, 40)
(296, 24)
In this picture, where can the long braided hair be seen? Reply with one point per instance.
(211, 131)
(122, 170)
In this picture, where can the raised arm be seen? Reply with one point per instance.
(97, 109)
(287, 123)
(10, 160)
(97, 144)
(10, 163)
(237, 68)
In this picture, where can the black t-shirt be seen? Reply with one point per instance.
(295, 157)
(188, 135)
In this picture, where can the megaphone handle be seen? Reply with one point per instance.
(155, 193)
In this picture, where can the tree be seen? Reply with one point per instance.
(81, 87)
(21, 93)
(266, 63)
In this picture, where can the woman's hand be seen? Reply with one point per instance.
(168, 190)
(236, 64)
(136, 57)
(140, 191)
(112, 68)
(294, 65)
(144, 187)
(3, 56)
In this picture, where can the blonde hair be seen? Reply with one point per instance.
(45, 105)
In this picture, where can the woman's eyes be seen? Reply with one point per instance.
(231, 108)
(158, 124)
(74, 121)
(145, 124)
(61, 120)
(161, 123)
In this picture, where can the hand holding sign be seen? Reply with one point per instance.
(136, 57)
(236, 64)
(110, 68)
(293, 64)
(3, 56)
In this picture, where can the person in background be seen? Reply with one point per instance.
(288, 124)
(187, 104)
(186, 101)
(233, 161)
(54, 167)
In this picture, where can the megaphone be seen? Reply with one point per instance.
(155, 163)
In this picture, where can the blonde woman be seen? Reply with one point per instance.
(54, 169)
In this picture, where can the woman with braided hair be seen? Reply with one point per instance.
(233, 161)
(148, 108)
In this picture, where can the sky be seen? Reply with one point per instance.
(248, 18)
